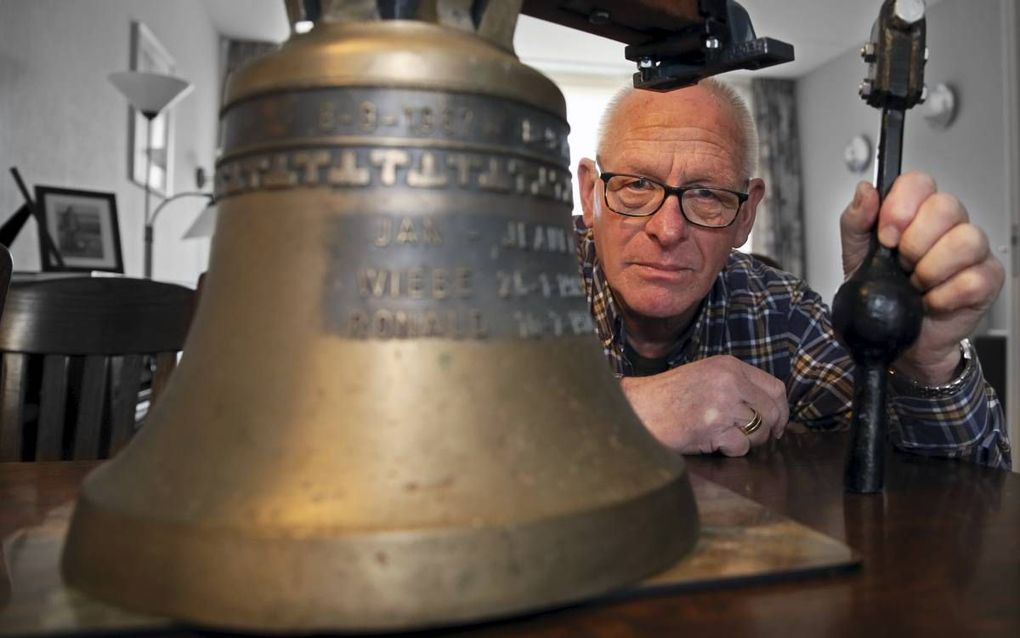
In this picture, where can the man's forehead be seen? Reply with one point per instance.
(691, 106)
(651, 131)
(688, 163)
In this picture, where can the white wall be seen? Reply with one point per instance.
(1011, 99)
(63, 124)
(966, 46)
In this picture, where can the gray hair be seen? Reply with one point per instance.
(748, 144)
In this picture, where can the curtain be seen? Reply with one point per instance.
(233, 55)
(239, 52)
(779, 228)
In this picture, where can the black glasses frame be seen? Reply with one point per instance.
(667, 191)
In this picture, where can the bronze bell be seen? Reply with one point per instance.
(392, 412)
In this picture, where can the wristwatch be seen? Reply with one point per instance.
(906, 386)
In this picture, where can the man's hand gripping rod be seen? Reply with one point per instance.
(877, 313)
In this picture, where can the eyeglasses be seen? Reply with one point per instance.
(640, 196)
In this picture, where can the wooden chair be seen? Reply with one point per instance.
(77, 352)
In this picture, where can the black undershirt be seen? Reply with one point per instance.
(644, 366)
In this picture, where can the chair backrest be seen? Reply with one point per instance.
(77, 355)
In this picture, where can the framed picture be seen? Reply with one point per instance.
(147, 54)
(83, 226)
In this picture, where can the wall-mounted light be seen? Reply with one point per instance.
(151, 222)
(940, 107)
(857, 153)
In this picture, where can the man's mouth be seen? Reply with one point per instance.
(661, 266)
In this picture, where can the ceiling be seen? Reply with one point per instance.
(819, 30)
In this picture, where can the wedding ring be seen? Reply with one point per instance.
(752, 426)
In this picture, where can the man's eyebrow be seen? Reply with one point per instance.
(703, 179)
(636, 164)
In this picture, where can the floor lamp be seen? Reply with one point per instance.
(150, 93)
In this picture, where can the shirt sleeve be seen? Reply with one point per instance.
(968, 425)
(820, 384)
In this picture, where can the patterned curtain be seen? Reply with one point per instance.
(779, 228)
(235, 54)
(239, 52)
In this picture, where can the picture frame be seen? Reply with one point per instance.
(147, 54)
(83, 226)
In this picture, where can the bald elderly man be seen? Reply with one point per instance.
(709, 342)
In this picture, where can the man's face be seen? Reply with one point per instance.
(661, 267)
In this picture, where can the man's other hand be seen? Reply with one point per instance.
(948, 259)
(700, 407)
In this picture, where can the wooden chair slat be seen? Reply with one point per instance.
(52, 406)
(13, 397)
(124, 400)
(107, 326)
(87, 429)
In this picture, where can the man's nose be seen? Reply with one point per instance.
(668, 225)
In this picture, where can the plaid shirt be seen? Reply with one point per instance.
(772, 320)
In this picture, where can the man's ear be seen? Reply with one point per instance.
(587, 175)
(745, 218)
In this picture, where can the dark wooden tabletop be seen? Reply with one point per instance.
(940, 549)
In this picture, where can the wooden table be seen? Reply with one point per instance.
(941, 551)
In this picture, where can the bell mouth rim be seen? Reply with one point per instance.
(597, 551)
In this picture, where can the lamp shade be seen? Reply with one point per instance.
(150, 93)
